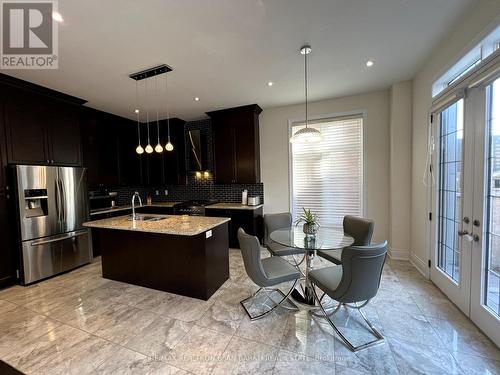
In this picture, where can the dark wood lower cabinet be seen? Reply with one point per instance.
(193, 266)
(8, 252)
(96, 244)
(250, 220)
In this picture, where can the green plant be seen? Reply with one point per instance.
(307, 217)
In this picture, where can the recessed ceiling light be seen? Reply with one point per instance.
(57, 17)
(369, 63)
(196, 99)
(270, 83)
(136, 111)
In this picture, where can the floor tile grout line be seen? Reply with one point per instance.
(231, 336)
(109, 341)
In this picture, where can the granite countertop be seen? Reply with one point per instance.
(129, 207)
(234, 206)
(170, 224)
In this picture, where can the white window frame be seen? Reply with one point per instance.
(362, 113)
(480, 52)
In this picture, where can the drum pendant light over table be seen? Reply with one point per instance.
(306, 134)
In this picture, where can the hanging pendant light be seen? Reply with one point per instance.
(169, 146)
(306, 134)
(139, 148)
(158, 147)
(149, 148)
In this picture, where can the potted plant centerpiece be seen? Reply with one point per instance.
(311, 223)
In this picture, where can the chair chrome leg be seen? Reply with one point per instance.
(265, 290)
(276, 304)
(379, 338)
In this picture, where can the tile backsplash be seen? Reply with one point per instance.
(196, 188)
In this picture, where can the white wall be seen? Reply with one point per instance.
(275, 161)
(468, 32)
(400, 169)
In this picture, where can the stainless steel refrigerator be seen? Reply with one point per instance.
(52, 206)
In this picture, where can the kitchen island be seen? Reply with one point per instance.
(186, 255)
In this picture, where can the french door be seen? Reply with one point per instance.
(466, 197)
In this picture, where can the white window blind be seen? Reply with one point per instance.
(327, 177)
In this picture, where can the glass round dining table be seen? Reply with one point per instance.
(325, 239)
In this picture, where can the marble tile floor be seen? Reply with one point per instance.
(80, 323)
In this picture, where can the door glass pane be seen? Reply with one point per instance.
(450, 188)
(492, 243)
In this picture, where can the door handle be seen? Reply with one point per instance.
(58, 203)
(62, 238)
(466, 235)
(63, 201)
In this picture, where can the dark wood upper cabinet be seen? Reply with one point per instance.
(132, 166)
(64, 137)
(236, 144)
(100, 148)
(224, 160)
(42, 126)
(26, 128)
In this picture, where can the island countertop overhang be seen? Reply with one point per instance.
(169, 224)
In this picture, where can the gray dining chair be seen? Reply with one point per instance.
(274, 222)
(266, 273)
(356, 280)
(359, 228)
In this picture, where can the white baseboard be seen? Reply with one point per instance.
(420, 265)
(398, 254)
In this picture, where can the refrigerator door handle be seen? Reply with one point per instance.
(63, 202)
(58, 202)
(60, 238)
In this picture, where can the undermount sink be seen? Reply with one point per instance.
(147, 218)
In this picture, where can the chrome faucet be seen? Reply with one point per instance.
(136, 194)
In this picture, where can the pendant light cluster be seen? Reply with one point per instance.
(307, 134)
(144, 75)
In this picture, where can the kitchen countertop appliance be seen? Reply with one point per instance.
(51, 208)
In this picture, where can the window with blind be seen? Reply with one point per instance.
(327, 177)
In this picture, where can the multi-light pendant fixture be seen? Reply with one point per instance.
(144, 75)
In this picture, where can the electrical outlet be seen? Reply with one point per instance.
(166, 192)
(157, 192)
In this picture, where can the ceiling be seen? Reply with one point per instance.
(225, 51)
